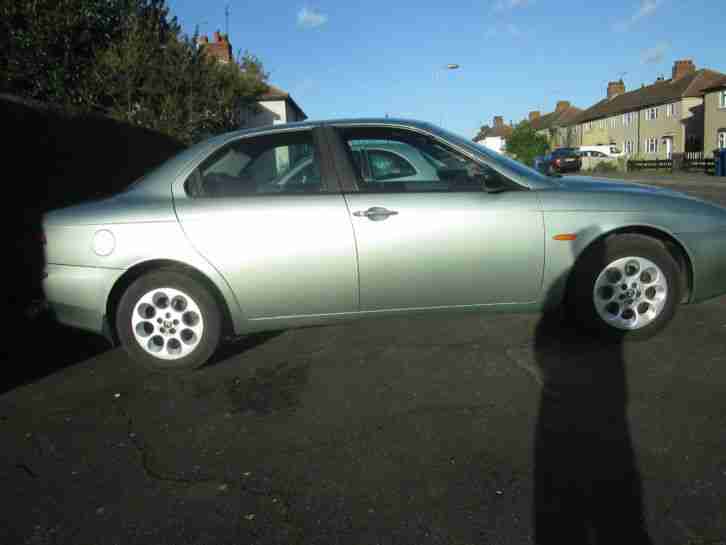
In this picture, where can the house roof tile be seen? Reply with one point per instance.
(555, 119)
(718, 85)
(275, 93)
(660, 92)
(504, 131)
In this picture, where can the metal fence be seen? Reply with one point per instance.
(651, 164)
(691, 161)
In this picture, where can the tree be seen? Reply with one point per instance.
(525, 144)
(49, 45)
(125, 58)
(163, 81)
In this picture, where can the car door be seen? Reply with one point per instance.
(283, 243)
(421, 245)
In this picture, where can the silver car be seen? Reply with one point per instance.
(311, 223)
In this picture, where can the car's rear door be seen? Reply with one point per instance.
(286, 249)
(423, 246)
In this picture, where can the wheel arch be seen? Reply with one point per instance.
(675, 248)
(139, 269)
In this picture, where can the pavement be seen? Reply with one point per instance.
(452, 428)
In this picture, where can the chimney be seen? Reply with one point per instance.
(615, 88)
(562, 105)
(498, 121)
(534, 115)
(683, 68)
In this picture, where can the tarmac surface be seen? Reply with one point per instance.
(453, 428)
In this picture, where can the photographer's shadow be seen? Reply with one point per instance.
(587, 487)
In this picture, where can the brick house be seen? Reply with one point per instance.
(495, 137)
(273, 107)
(556, 126)
(653, 121)
(714, 116)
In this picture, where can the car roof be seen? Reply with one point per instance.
(390, 121)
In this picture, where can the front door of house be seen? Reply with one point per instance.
(668, 143)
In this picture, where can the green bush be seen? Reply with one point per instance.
(605, 167)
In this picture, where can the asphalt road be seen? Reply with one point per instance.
(450, 428)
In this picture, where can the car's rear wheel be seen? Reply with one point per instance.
(168, 321)
(626, 287)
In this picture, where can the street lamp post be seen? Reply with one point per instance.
(449, 66)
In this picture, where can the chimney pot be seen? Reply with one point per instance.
(683, 68)
(616, 88)
(562, 105)
(534, 115)
(498, 121)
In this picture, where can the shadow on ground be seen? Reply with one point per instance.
(587, 486)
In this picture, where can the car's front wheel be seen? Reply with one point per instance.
(625, 287)
(168, 321)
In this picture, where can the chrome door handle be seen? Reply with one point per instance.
(375, 213)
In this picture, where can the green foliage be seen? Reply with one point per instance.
(525, 144)
(605, 166)
(128, 59)
(48, 45)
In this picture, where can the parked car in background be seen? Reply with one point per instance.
(208, 247)
(560, 160)
(610, 150)
(592, 153)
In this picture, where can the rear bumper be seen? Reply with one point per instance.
(77, 296)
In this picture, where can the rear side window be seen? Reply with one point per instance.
(278, 163)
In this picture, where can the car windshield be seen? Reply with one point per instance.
(510, 164)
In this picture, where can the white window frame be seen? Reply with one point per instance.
(651, 114)
(721, 139)
(670, 110)
(722, 99)
(651, 145)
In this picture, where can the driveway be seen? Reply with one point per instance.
(450, 428)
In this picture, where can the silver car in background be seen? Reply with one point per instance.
(311, 223)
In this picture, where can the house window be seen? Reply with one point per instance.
(722, 139)
(629, 147)
(628, 119)
(651, 145)
(651, 114)
(722, 99)
(670, 110)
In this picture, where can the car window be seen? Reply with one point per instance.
(408, 161)
(386, 165)
(278, 163)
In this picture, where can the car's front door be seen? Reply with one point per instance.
(281, 238)
(444, 242)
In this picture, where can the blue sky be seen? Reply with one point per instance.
(344, 59)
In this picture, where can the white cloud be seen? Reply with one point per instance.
(654, 55)
(646, 9)
(503, 5)
(311, 18)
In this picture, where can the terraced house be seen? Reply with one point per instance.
(714, 127)
(654, 121)
(557, 126)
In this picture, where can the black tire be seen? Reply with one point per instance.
(597, 258)
(203, 347)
